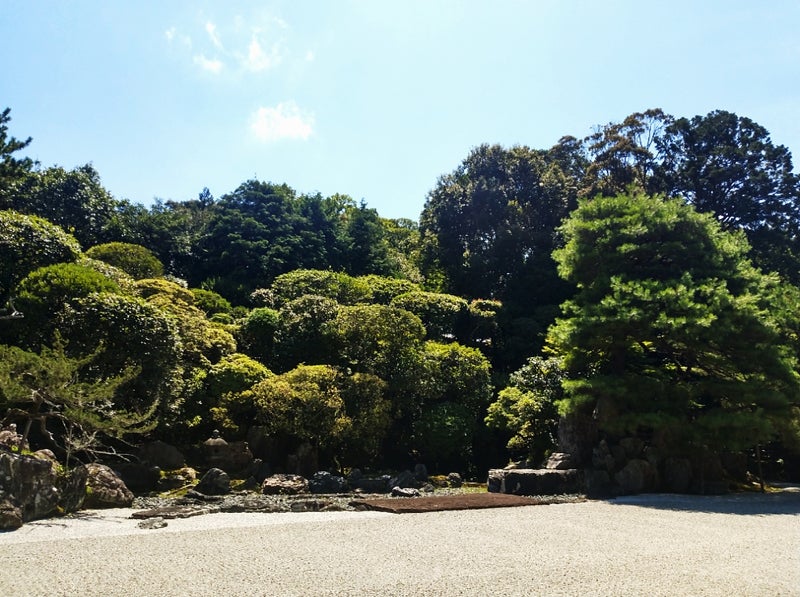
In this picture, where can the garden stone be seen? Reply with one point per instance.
(30, 483)
(283, 484)
(324, 482)
(10, 516)
(454, 480)
(162, 455)
(406, 492)
(560, 461)
(636, 476)
(214, 482)
(404, 479)
(535, 481)
(105, 489)
(677, 475)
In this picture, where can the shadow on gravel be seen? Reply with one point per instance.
(784, 501)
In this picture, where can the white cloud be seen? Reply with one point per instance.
(284, 121)
(211, 29)
(212, 65)
(170, 33)
(310, 56)
(258, 60)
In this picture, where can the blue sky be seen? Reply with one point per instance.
(371, 98)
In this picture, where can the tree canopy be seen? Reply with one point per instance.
(668, 333)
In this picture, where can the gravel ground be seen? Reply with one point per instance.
(641, 545)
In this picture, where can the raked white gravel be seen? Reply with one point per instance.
(641, 545)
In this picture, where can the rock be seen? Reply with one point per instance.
(633, 447)
(577, 435)
(182, 477)
(283, 484)
(104, 489)
(324, 482)
(404, 479)
(560, 461)
(372, 484)
(10, 516)
(636, 476)
(152, 523)
(214, 482)
(30, 483)
(10, 439)
(535, 481)
(454, 480)
(162, 455)
(677, 475)
(406, 492)
(72, 489)
(598, 483)
(708, 476)
(139, 478)
(45, 454)
(620, 458)
(421, 473)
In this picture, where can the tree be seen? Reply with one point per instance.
(74, 200)
(28, 243)
(494, 218)
(526, 409)
(453, 391)
(43, 294)
(256, 233)
(133, 259)
(367, 250)
(73, 415)
(302, 334)
(488, 231)
(222, 389)
(133, 333)
(12, 170)
(727, 165)
(625, 155)
(334, 285)
(443, 315)
(669, 335)
(302, 405)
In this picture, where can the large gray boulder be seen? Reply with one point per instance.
(30, 483)
(535, 481)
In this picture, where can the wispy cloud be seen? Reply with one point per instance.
(212, 65)
(257, 59)
(170, 33)
(284, 121)
(211, 29)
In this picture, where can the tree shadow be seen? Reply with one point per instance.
(782, 500)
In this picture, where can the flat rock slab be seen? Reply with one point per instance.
(467, 501)
(171, 512)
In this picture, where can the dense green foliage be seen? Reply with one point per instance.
(135, 260)
(381, 342)
(669, 333)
